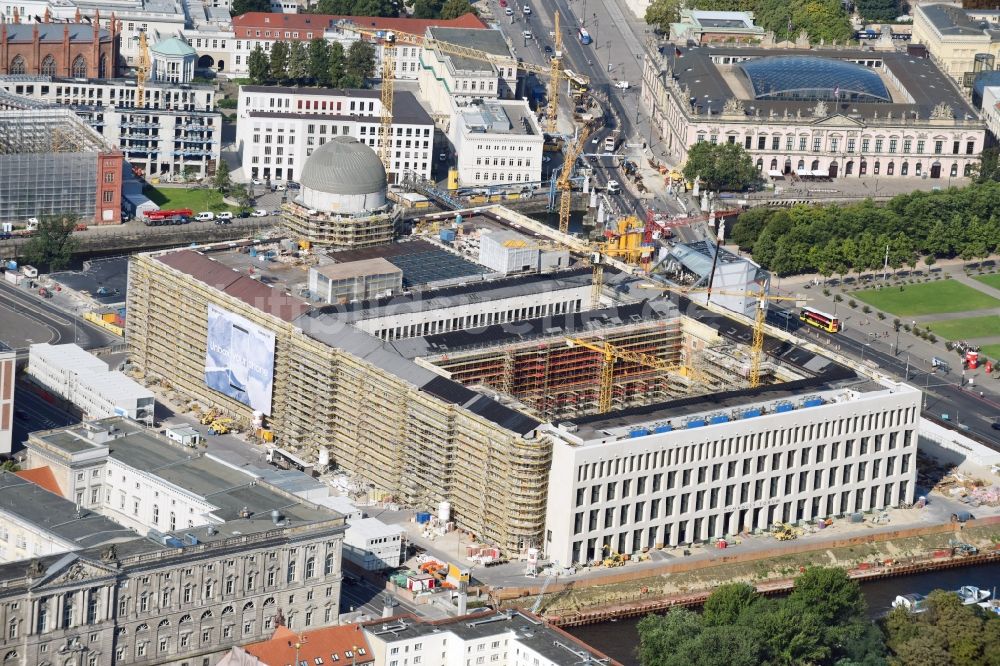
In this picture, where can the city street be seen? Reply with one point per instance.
(948, 396)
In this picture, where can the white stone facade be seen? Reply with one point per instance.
(624, 489)
(505, 155)
(278, 128)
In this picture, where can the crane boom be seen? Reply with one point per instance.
(411, 39)
(141, 71)
(564, 184)
(388, 79)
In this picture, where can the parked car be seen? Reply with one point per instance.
(256, 181)
(293, 185)
(526, 10)
(259, 213)
(204, 216)
(243, 214)
(220, 220)
(508, 11)
(622, 85)
(225, 215)
(547, 49)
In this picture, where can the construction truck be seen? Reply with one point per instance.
(209, 416)
(221, 427)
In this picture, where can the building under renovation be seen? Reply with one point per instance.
(52, 163)
(451, 390)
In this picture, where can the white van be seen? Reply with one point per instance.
(527, 34)
(205, 216)
(614, 187)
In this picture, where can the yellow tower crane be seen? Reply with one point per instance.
(391, 39)
(141, 71)
(564, 185)
(556, 63)
(388, 79)
(760, 314)
(611, 354)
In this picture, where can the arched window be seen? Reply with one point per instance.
(247, 606)
(163, 623)
(228, 610)
(102, 67)
(760, 164)
(904, 169)
(774, 165)
(269, 601)
(185, 618)
(878, 166)
(79, 69)
(10, 655)
(48, 66)
(311, 561)
(142, 627)
(16, 66)
(207, 614)
(815, 165)
(968, 170)
(331, 562)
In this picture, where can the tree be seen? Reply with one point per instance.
(319, 62)
(356, 7)
(53, 244)
(452, 9)
(10, 466)
(661, 13)
(359, 65)
(727, 603)
(298, 62)
(242, 196)
(222, 180)
(723, 166)
(877, 11)
(335, 65)
(279, 61)
(948, 633)
(427, 9)
(259, 66)
(240, 7)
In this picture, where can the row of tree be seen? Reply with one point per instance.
(823, 20)
(822, 622)
(442, 9)
(835, 240)
(320, 63)
(877, 11)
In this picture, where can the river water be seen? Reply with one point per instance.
(619, 639)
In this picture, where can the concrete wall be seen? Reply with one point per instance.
(953, 447)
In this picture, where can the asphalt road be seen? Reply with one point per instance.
(32, 412)
(26, 318)
(584, 60)
(943, 393)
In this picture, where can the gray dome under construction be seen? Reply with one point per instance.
(343, 165)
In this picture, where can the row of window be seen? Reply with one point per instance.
(776, 487)
(477, 320)
(890, 168)
(48, 67)
(851, 145)
(732, 521)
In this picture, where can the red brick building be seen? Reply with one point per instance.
(77, 50)
(108, 208)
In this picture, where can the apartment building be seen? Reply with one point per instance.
(177, 132)
(279, 128)
(737, 461)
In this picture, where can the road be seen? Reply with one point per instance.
(592, 61)
(32, 412)
(943, 392)
(26, 318)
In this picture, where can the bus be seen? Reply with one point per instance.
(584, 36)
(157, 218)
(820, 320)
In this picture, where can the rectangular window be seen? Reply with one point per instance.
(878, 145)
(775, 142)
(865, 145)
(907, 145)
(850, 145)
(816, 144)
(920, 146)
(892, 145)
(802, 143)
(938, 147)
(834, 143)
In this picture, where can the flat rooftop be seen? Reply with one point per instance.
(218, 483)
(920, 77)
(550, 643)
(490, 41)
(421, 262)
(37, 508)
(360, 268)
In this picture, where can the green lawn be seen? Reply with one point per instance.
(968, 328)
(991, 351)
(927, 298)
(990, 280)
(198, 200)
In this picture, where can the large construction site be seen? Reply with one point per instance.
(52, 163)
(427, 368)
